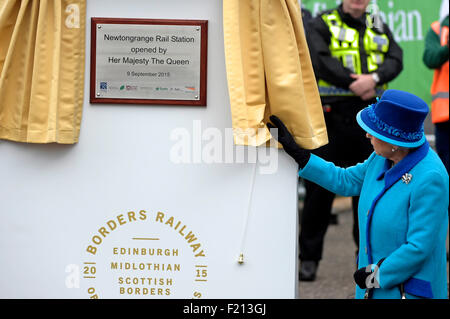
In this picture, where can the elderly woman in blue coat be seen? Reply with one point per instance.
(404, 197)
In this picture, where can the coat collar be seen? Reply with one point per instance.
(391, 175)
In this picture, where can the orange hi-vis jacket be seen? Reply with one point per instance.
(439, 87)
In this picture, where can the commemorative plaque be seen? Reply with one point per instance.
(147, 61)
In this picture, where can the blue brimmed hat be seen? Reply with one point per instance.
(396, 118)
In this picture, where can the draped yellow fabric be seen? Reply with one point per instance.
(42, 44)
(269, 72)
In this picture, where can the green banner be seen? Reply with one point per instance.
(409, 21)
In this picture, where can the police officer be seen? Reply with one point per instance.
(354, 56)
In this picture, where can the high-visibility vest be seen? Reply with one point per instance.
(439, 88)
(345, 45)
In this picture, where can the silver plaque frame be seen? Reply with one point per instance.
(148, 61)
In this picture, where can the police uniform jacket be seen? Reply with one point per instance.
(332, 70)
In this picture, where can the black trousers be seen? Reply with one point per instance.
(347, 146)
(442, 133)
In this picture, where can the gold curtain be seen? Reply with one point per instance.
(42, 44)
(269, 72)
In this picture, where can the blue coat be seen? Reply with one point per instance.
(404, 222)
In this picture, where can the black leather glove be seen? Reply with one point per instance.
(361, 275)
(300, 155)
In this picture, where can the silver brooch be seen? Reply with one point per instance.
(406, 178)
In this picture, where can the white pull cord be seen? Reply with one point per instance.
(244, 232)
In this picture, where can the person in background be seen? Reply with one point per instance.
(435, 56)
(403, 190)
(353, 59)
(306, 17)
